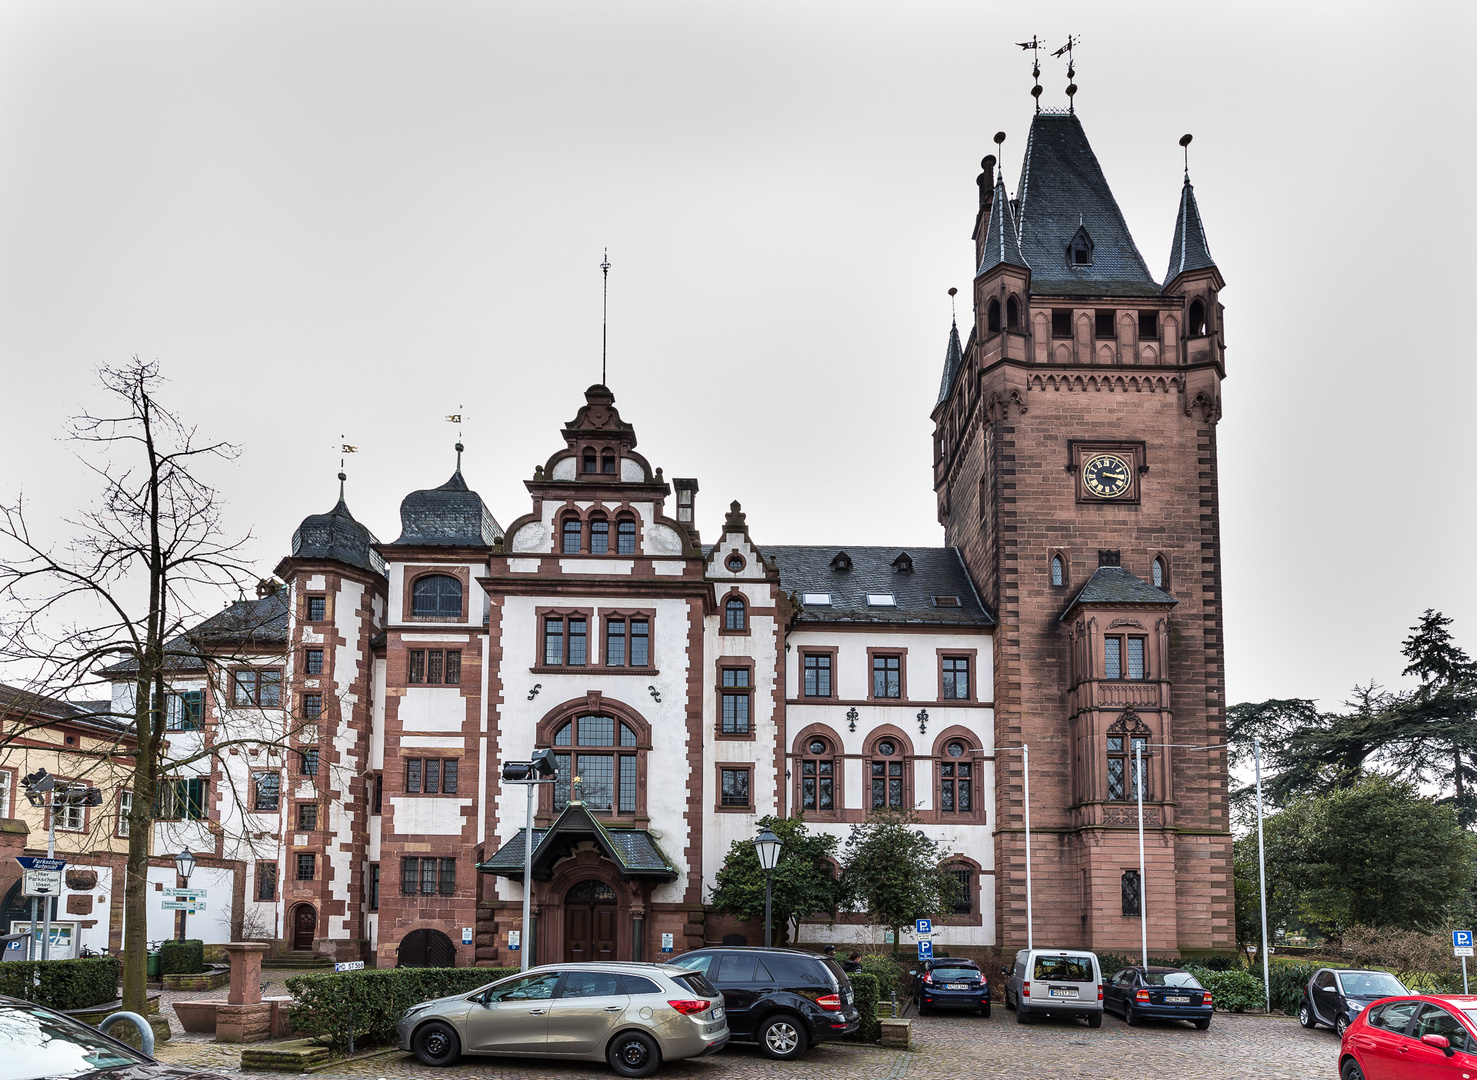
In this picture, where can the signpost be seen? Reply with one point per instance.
(41, 883)
(190, 901)
(925, 926)
(31, 863)
(1461, 945)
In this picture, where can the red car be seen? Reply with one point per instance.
(1423, 1037)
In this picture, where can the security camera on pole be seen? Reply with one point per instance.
(538, 770)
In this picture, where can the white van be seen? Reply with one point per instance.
(1055, 982)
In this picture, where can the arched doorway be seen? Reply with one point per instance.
(425, 948)
(589, 922)
(304, 925)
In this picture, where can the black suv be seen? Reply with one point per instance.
(783, 999)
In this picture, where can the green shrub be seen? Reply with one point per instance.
(886, 970)
(372, 1002)
(1288, 980)
(62, 984)
(868, 999)
(1234, 991)
(1112, 963)
(182, 957)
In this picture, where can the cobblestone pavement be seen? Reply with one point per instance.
(957, 1047)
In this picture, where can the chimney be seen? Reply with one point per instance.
(686, 489)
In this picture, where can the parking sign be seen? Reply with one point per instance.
(1461, 939)
(925, 949)
(925, 926)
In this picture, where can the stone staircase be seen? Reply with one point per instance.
(298, 961)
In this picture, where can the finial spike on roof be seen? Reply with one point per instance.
(459, 449)
(341, 478)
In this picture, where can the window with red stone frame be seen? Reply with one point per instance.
(564, 638)
(887, 775)
(735, 697)
(958, 778)
(626, 638)
(735, 787)
(819, 776)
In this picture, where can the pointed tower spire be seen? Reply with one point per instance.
(1189, 249)
(953, 359)
(1002, 241)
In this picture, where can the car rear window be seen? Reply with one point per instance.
(697, 984)
(956, 973)
(838, 973)
(1173, 978)
(640, 984)
(1064, 968)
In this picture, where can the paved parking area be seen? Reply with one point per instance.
(946, 1047)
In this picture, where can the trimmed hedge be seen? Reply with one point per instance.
(372, 1002)
(182, 957)
(868, 998)
(62, 984)
(1234, 991)
(1287, 982)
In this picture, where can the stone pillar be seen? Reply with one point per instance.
(244, 1017)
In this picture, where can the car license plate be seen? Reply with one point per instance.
(955, 986)
(718, 1013)
(1062, 991)
(1177, 1000)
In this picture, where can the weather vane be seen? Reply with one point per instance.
(1066, 50)
(1035, 46)
(456, 418)
(604, 309)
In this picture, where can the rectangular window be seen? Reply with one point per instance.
(413, 776)
(312, 706)
(185, 711)
(266, 881)
(453, 667)
(735, 701)
(433, 666)
(615, 643)
(410, 877)
(956, 794)
(379, 793)
(640, 643)
(417, 666)
(964, 898)
(887, 676)
(817, 676)
(1148, 326)
(956, 678)
(577, 646)
(307, 817)
(735, 785)
(268, 792)
(307, 762)
(1135, 658)
(448, 777)
(262, 688)
(374, 886)
(1061, 322)
(307, 866)
(553, 641)
(125, 807)
(243, 688)
(1105, 324)
(887, 785)
(595, 770)
(1113, 658)
(313, 661)
(181, 799)
(70, 816)
(1123, 775)
(317, 608)
(428, 877)
(429, 776)
(437, 667)
(625, 537)
(448, 877)
(432, 775)
(628, 784)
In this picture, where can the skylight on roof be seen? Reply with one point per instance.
(881, 599)
(815, 599)
(946, 601)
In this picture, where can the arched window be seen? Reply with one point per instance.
(1197, 318)
(1058, 571)
(602, 752)
(1160, 573)
(1013, 315)
(571, 541)
(992, 317)
(436, 594)
(599, 536)
(590, 465)
(607, 463)
(818, 776)
(888, 779)
(956, 779)
(625, 536)
(734, 615)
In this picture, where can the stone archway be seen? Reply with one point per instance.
(425, 948)
(304, 926)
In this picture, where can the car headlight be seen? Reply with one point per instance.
(1356, 1006)
(416, 1008)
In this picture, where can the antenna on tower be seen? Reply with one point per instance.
(1185, 142)
(1072, 40)
(604, 310)
(343, 449)
(1035, 46)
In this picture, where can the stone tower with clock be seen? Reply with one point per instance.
(1075, 467)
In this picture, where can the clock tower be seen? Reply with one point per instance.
(1075, 465)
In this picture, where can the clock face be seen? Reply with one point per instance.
(1107, 476)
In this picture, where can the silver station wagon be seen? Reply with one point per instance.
(631, 1016)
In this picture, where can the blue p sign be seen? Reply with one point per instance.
(925, 926)
(1461, 939)
(925, 950)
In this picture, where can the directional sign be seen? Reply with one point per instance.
(42, 883)
(185, 894)
(925, 949)
(349, 965)
(1461, 939)
(189, 907)
(34, 862)
(925, 926)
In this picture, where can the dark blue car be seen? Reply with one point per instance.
(952, 983)
(1165, 993)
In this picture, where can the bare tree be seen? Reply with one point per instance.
(140, 568)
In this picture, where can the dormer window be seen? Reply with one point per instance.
(590, 462)
(841, 563)
(903, 564)
(1079, 251)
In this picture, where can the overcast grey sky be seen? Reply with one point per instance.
(355, 218)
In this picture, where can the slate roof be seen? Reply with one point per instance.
(1115, 585)
(936, 572)
(953, 358)
(634, 851)
(1062, 188)
(451, 515)
(1002, 244)
(256, 623)
(17, 702)
(1189, 249)
(337, 536)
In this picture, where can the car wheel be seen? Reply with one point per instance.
(1009, 1001)
(1305, 1017)
(1131, 1016)
(782, 1038)
(633, 1053)
(1203, 1025)
(922, 1009)
(436, 1044)
(985, 1010)
(1351, 1071)
(1022, 1014)
(1341, 1025)
(1095, 1019)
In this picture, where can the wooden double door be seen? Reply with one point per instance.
(589, 922)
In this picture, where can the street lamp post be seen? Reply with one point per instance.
(539, 769)
(767, 847)
(184, 866)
